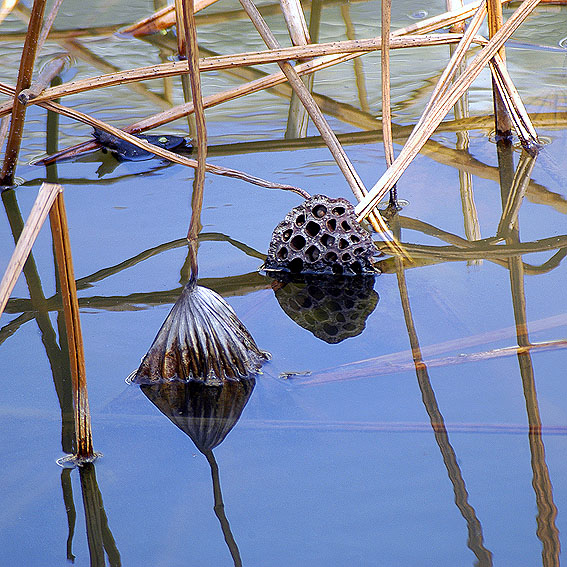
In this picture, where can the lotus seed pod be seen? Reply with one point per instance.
(321, 236)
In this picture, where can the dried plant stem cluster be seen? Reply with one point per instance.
(449, 89)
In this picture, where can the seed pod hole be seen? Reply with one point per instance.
(296, 265)
(297, 242)
(312, 228)
(312, 253)
(319, 211)
(327, 240)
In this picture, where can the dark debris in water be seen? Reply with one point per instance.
(321, 236)
(126, 151)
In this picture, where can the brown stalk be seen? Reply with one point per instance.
(83, 436)
(514, 105)
(192, 55)
(501, 117)
(171, 69)
(23, 82)
(44, 78)
(160, 20)
(385, 70)
(45, 198)
(316, 115)
(441, 108)
(160, 152)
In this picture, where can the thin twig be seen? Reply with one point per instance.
(165, 154)
(44, 78)
(48, 24)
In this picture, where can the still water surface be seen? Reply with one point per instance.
(365, 457)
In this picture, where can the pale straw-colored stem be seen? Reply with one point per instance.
(421, 134)
(36, 218)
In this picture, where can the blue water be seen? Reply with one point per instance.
(358, 460)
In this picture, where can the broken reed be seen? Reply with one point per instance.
(50, 201)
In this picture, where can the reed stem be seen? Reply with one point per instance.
(501, 118)
(24, 81)
(59, 228)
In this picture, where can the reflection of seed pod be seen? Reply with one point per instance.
(333, 308)
(205, 413)
(321, 236)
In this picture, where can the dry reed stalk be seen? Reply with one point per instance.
(160, 152)
(24, 80)
(443, 105)
(160, 20)
(453, 67)
(44, 78)
(385, 72)
(83, 436)
(171, 69)
(45, 198)
(501, 118)
(298, 119)
(48, 24)
(354, 117)
(319, 120)
(192, 56)
(295, 21)
(6, 8)
(514, 105)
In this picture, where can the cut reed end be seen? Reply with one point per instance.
(201, 339)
